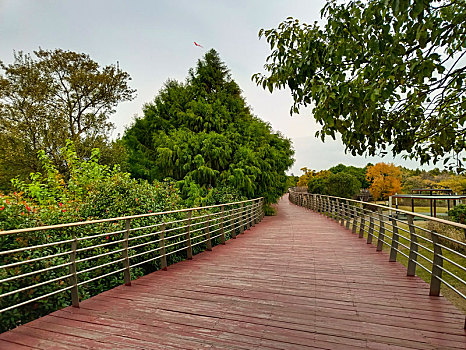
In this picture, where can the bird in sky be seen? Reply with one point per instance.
(195, 43)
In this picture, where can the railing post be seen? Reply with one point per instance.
(336, 207)
(262, 208)
(413, 247)
(241, 228)
(348, 214)
(189, 248)
(342, 213)
(437, 265)
(355, 218)
(314, 202)
(395, 240)
(363, 222)
(207, 228)
(74, 277)
(222, 231)
(371, 228)
(254, 221)
(163, 259)
(234, 217)
(380, 239)
(127, 270)
(248, 216)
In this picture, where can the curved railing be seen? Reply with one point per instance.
(414, 237)
(52, 264)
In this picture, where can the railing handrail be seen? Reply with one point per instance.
(431, 218)
(119, 218)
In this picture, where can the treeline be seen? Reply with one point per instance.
(382, 180)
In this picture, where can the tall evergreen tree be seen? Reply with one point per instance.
(202, 134)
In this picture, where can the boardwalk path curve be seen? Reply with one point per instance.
(295, 281)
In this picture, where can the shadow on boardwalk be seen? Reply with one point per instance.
(295, 281)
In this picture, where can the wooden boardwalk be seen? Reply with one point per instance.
(295, 281)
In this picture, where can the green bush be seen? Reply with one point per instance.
(335, 184)
(458, 213)
(88, 190)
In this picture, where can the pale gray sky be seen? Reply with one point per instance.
(153, 41)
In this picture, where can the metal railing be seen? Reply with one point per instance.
(441, 256)
(75, 255)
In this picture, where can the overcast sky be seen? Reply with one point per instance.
(153, 41)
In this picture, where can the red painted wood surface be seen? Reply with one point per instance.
(295, 281)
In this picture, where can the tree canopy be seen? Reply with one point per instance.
(385, 180)
(202, 134)
(388, 75)
(51, 96)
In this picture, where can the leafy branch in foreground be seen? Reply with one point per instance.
(385, 74)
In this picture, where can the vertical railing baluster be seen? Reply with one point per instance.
(262, 208)
(371, 228)
(348, 214)
(207, 229)
(234, 219)
(163, 259)
(127, 270)
(244, 218)
(355, 218)
(337, 210)
(437, 265)
(189, 248)
(222, 231)
(241, 228)
(413, 247)
(380, 239)
(363, 222)
(342, 213)
(395, 240)
(248, 218)
(73, 280)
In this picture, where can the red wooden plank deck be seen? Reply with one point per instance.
(295, 281)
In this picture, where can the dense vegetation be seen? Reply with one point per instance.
(387, 75)
(52, 96)
(203, 135)
(89, 191)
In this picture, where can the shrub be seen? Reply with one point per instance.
(458, 213)
(87, 191)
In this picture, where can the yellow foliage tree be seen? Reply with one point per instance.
(385, 180)
(304, 179)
